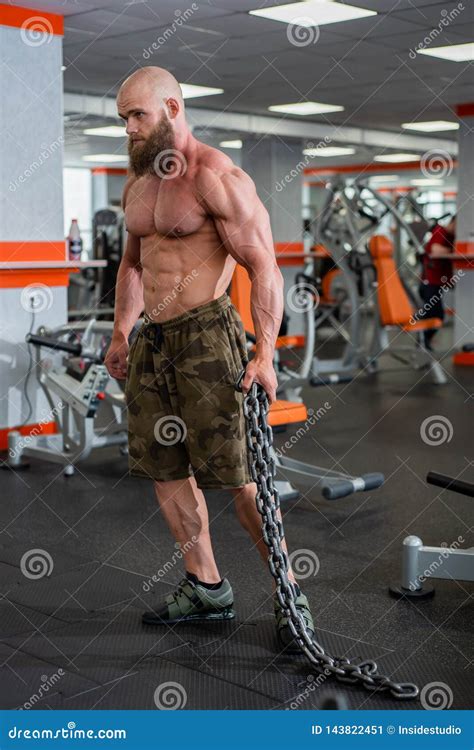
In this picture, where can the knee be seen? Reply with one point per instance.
(169, 490)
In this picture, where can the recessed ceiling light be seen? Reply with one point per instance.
(421, 181)
(454, 52)
(329, 151)
(394, 158)
(384, 178)
(105, 158)
(190, 90)
(231, 144)
(305, 108)
(431, 126)
(112, 131)
(313, 13)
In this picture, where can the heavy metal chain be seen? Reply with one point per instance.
(259, 441)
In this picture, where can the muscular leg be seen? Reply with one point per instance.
(184, 508)
(251, 519)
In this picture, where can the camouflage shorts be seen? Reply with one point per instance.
(184, 415)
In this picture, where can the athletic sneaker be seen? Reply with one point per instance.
(191, 602)
(284, 634)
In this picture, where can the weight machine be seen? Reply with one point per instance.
(420, 562)
(345, 228)
(76, 391)
(92, 291)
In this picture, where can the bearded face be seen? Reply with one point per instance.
(143, 153)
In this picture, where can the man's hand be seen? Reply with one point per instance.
(262, 371)
(116, 357)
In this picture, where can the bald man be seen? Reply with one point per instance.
(191, 215)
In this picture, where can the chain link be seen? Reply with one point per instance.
(259, 438)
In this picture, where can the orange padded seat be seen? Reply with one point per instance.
(286, 412)
(240, 296)
(280, 412)
(395, 308)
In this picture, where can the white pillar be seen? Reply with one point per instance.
(31, 202)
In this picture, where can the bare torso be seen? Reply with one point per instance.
(184, 263)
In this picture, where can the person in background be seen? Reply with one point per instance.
(437, 272)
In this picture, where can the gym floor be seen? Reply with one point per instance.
(77, 631)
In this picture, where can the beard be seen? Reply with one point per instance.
(143, 154)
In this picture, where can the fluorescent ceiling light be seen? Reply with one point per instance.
(112, 131)
(421, 181)
(384, 178)
(305, 108)
(313, 13)
(190, 90)
(105, 158)
(394, 158)
(431, 126)
(231, 144)
(454, 52)
(328, 151)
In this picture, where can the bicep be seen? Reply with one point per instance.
(132, 246)
(241, 220)
(248, 239)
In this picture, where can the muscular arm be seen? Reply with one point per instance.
(129, 289)
(128, 305)
(243, 225)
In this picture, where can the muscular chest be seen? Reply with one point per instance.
(166, 207)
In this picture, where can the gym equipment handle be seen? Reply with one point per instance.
(449, 483)
(333, 490)
(51, 343)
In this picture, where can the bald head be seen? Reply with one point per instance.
(152, 81)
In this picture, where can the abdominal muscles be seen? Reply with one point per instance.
(182, 272)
